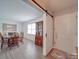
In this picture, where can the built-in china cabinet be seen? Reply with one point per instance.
(39, 33)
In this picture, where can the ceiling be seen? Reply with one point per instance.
(55, 6)
(59, 5)
(18, 10)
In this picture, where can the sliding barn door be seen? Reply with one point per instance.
(48, 35)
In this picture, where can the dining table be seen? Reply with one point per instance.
(11, 41)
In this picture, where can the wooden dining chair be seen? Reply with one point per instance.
(3, 41)
(10, 42)
(16, 38)
(76, 48)
(13, 41)
(21, 36)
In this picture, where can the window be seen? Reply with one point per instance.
(31, 28)
(9, 27)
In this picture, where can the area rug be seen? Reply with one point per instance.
(58, 54)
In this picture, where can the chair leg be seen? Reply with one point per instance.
(1, 46)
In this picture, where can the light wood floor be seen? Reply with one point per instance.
(28, 50)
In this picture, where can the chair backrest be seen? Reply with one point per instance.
(1, 36)
(76, 48)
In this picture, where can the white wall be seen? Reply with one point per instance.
(24, 27)
(49, 30)
(66, 31)
(47, 39)
(8, 21)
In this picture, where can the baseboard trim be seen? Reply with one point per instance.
(64, 53)
(50, 52)
(56, 49)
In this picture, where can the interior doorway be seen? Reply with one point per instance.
(48, 28)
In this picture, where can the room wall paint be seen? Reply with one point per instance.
(49, 31)
(66, 32)
(48, 34)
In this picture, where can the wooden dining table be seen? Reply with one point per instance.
(12, 41)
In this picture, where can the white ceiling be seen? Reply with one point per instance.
(59, 5)
(17, 10)
(55, 6)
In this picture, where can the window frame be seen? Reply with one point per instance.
(30, 31)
